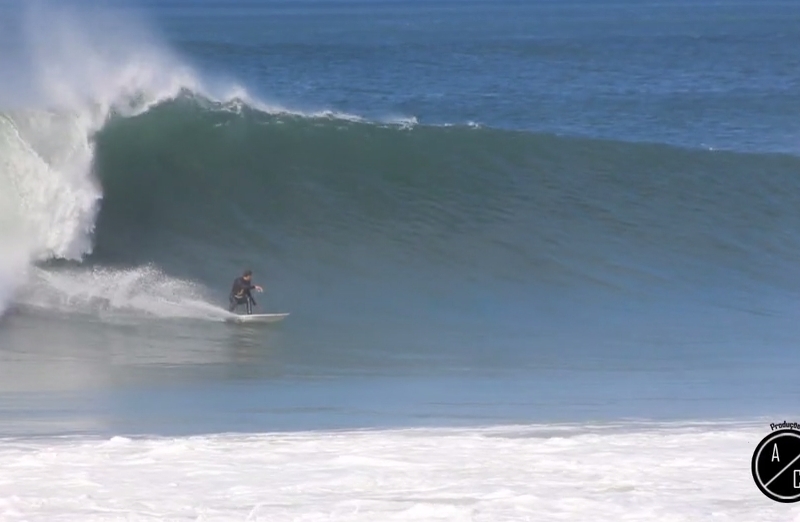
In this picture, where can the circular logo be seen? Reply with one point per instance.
(776, 466)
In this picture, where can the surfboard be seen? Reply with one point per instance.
(256, 318)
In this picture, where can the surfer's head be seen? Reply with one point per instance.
(247, 274)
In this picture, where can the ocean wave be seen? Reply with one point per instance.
(124, 155)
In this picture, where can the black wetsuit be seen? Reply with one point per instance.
(240, 294)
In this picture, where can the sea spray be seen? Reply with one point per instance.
(68, 82)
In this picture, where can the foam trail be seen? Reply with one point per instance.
(142, 290)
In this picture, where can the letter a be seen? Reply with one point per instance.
(775, 453)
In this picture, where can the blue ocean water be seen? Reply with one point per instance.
(476, 212)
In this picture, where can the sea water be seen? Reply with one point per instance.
(540, 258)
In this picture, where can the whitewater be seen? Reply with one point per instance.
(671, 472)
(51, 195)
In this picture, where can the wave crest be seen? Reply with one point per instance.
(73, 70)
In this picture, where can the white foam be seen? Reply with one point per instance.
(665, 473)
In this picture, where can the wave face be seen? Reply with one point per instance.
(232, 183)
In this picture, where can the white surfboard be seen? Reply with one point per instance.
(257, 318)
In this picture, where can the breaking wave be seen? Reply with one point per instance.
(117, 158)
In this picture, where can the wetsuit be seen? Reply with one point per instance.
(240, 294)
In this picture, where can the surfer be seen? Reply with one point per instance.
(240, 292)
